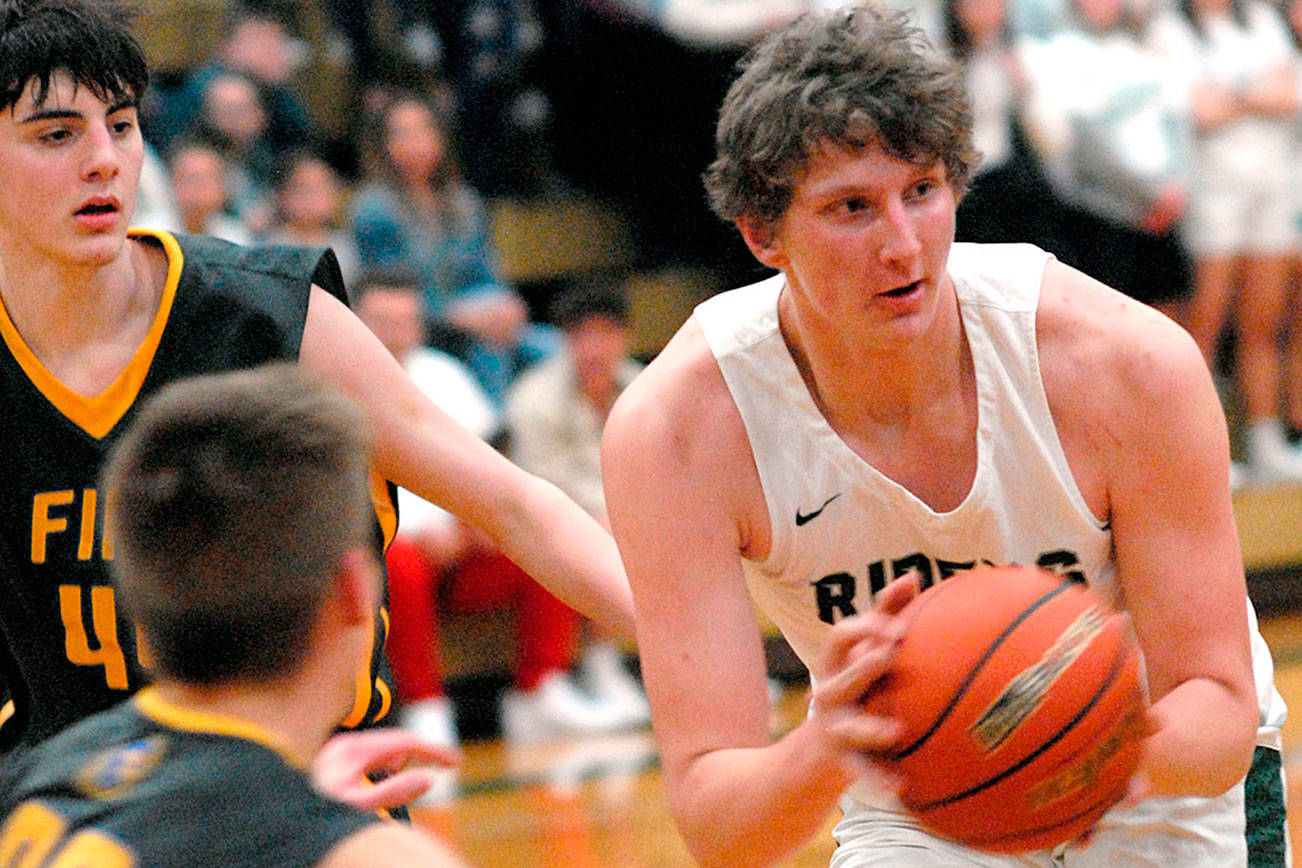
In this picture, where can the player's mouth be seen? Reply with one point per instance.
(903, 300)
(101, 212)
(903, 292)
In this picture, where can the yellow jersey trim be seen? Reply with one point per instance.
(150, 702)
(385, 514)
(96, 415)
(363, 684)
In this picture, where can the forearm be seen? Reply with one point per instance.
(550, 537)
(574, 475)
(544, 450)
(755, 806)
(1204, 740)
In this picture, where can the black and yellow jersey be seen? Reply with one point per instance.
(151, 784)
(66, 650)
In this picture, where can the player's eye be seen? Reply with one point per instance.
(922, 188)
(852, 205)
(122, 121)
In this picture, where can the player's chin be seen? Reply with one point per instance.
(99, 249)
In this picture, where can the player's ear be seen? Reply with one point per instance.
(762, 239)
(357, 584)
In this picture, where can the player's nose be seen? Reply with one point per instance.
(102, 157)
(901, 242)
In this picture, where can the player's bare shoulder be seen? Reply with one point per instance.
(1101, 352)
(675, 437)
(679, 405)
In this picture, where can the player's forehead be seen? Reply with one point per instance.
(59, 90)
(832, 168)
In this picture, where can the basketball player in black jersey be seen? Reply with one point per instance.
(243, 552)
(95, 320)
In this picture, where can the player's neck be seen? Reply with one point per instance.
(889, 385)
(56, 303)
(85, 321)
(289, 710)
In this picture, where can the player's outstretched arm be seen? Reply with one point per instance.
(680, 488)
(1155, 435)
(421, 448)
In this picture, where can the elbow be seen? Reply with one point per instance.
(1202, 754)
(1247, 718)
(1218, 776)
(725, 842)
(711, 844)
(1221, 771)
(1240, 756)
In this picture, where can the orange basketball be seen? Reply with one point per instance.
(1022, 701)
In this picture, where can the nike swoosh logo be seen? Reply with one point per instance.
(805, 517)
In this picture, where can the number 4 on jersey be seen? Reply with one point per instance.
(103, 626)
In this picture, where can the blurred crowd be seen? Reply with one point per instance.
(1152, 143)
(240, 146)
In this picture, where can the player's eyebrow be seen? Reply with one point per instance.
(125, 102)
(54, 113)
(51, 114)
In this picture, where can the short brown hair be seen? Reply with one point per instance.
(845, 78)
(235, 495)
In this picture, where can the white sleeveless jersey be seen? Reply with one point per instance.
(841, 530)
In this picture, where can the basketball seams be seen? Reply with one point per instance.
(975, 671)
(1119, 658)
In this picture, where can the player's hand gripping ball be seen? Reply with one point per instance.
(1023, 706)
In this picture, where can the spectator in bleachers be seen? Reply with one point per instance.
(233, 119)
(437, 564)
(1113, 128)
(635, 92)
(257, 44)
(309, 210)
(197, 171)
(555, 414)
(1009, 199)
(493, 58)
(410, 47)
(1239, 64)
(155, 202)
(414, 211)
(1292, 367)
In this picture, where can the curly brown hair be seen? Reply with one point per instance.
(845, 78)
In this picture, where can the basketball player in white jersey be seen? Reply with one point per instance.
(891, 402)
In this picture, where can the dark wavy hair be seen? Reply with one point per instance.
(846, 78)
(90, 40)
